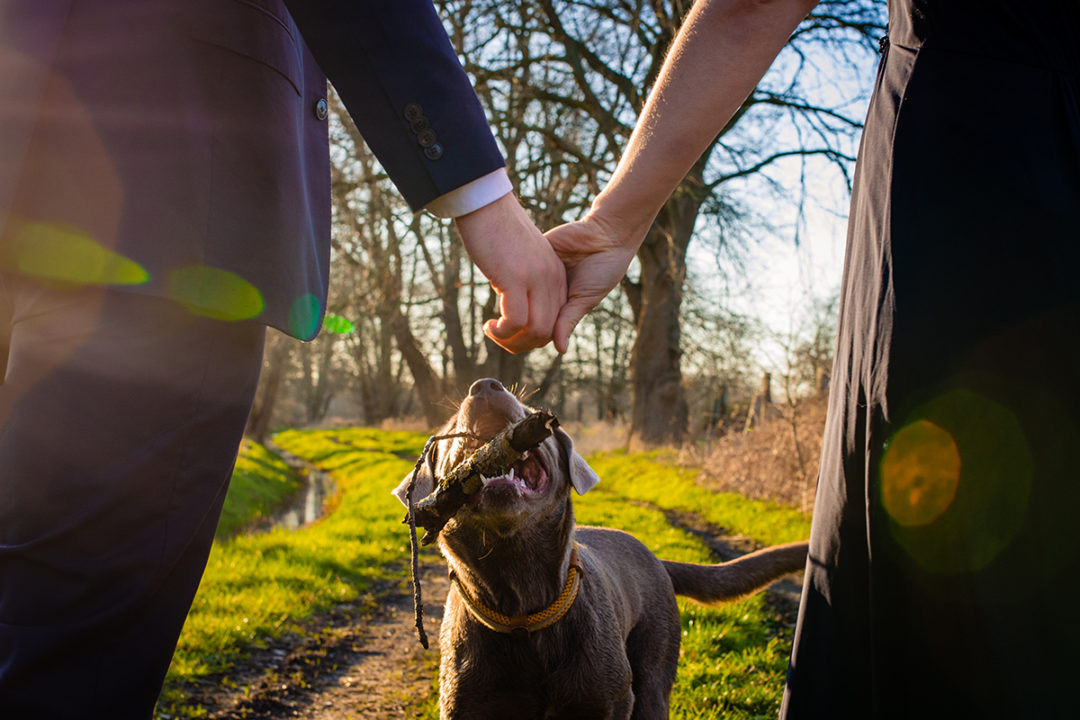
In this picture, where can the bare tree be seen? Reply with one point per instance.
(417, 301)
(564, 80)
(275, 366)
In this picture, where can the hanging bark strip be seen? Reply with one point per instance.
(425, 456)
(492, 459)
(418, 602)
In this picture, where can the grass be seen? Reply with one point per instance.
(259, 586)
(655, 478)
(733, 658)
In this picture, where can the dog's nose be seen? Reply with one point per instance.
(487, 385)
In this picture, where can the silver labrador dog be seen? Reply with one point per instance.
(546, 620)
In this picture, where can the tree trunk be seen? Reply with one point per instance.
(499, 364)
(425, 380)
(320, 378)
(551, 376)
(660, 413)
(598, 384)
(258, 425)
(503, 366)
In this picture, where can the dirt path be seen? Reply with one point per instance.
(783, 595)
(361, 662)
(389, 673)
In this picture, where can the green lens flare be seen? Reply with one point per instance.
(338, 324)
(59, 254)
(304, 317)
(215, 293)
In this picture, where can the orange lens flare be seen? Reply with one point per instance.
(955, 481)
(919, 474)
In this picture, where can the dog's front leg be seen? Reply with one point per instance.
(488, 705)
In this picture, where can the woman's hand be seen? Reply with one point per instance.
(596, 258)
(719, 54)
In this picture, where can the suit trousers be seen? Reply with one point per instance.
(120, 418)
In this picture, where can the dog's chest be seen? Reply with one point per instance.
(558, 672)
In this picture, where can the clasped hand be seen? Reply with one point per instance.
(522, 268)
(546, 285)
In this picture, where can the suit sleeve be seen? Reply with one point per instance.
(393, 66)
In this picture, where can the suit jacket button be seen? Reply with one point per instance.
(433, 152)
(413, 112)
(419, 125)
(321, 109)
(426, 138)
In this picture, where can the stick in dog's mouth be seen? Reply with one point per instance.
(504, 461)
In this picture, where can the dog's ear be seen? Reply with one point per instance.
(425, 485)
(582, 476)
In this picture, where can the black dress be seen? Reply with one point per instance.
(945, 551)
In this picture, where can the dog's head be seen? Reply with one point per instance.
(537, 483)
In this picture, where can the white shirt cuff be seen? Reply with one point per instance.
(471, 196)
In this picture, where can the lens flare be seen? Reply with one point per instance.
(955, 482)
(54, 253)
(215, 293)
(304, 316)
(919, 474)
(338, 325)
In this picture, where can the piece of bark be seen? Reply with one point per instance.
(491, 459)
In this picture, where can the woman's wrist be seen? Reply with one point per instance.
(625, 228)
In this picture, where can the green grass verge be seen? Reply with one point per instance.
(733, 658)
(260, 482)
(258, 586)
(654, 478)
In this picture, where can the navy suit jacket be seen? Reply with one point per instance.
(179, 147)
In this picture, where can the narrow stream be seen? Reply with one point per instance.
(306, 506)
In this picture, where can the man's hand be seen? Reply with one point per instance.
(522, 268)
(596, 258)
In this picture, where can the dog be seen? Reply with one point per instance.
(547, 620)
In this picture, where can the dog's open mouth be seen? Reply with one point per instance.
(525, 477)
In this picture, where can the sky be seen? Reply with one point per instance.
(782, 275)
(781, 278)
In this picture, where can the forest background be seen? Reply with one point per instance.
(728, 312)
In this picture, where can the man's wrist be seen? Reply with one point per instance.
(472, 196)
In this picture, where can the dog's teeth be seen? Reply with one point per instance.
(484, 479)
(511, 475)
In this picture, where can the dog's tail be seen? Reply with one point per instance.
(737, 578)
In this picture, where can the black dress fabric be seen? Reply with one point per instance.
(945, 551)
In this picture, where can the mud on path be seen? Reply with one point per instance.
(362, 661)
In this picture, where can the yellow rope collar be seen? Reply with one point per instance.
(525, 625)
